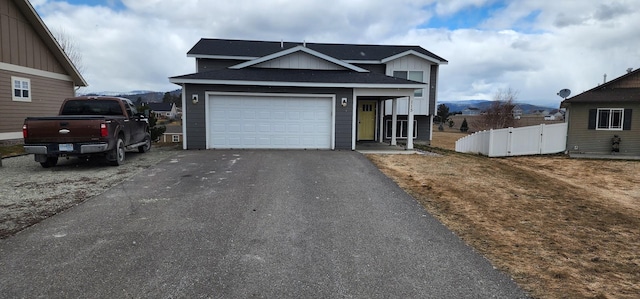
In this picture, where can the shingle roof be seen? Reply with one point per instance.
(295, 75)
(160, 106)
(606, 93)
(347, 52)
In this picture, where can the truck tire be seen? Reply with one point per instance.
(51, 162)
(147, 144)
(118, 153)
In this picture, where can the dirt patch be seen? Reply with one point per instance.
(562, 228)
(30, 193)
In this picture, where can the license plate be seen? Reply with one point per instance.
(66, 147)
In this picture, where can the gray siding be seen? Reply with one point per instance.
(204, 65)
(433, 88)
(599, 141)
(196, 127)
(374, 68)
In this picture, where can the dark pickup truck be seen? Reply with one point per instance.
(87, 126)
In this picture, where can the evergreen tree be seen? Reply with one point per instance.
(155, 130)
(464, 127)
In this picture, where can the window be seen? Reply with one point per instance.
(21, 89)
(610, 119)
(413, 76)
(175, 138)
(401, 130)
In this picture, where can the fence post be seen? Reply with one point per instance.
(509, 141)
(541, 143)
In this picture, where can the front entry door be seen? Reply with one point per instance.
(366, 120)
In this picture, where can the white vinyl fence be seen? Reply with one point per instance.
(532, 140)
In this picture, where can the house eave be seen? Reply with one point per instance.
(225, 57)
(299, 49)
(412, 52)
(296, 84)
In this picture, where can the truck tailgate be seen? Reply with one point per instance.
(63, 129)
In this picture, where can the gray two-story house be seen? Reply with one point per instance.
(281, 95)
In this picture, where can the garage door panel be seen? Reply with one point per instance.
(269, 122)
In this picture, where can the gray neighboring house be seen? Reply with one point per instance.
(596, 115)
(163, 110)
(267, 94)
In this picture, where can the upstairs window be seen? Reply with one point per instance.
(413, 76)
(21, 89)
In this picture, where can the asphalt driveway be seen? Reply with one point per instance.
(238, 224)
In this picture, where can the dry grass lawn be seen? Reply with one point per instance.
(562, 228)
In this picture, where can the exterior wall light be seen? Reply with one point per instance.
(194, 99)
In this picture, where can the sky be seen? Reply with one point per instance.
(533, 47)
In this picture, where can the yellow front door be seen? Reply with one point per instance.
(366, 120)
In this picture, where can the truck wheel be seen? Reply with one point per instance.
(147, 144)
(118, 153)
(51, 162)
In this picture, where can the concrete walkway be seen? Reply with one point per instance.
(239, 224)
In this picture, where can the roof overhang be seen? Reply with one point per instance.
(412, 52)
(299, 49)
(180, 81)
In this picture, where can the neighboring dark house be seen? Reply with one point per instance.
(596, 115)
(261, 94)
(35, 73)
(163, 110)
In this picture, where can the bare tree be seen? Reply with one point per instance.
(68, 45)
(499, 114)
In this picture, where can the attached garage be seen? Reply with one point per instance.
(270, 121)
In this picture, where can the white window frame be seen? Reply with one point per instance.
(21, 87)
(175, 138)
(412, 75)
(610, 126)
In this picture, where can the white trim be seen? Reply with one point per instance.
(209, 94)
(34, 72)
(354, 124)
(222, 57)
(297, 84)
(12, 135)
(609, 128)
(299, 49)
(13, 89)
(412, 52)
(184, 117)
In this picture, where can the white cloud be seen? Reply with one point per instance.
(534, 47)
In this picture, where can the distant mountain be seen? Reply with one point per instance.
(459, 106)
(146, 95)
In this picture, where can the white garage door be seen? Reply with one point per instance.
(273, 122)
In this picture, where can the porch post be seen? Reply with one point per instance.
(410, 124)
(394, 121)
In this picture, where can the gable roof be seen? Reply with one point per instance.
(41, 29)
(351, 53)
(299, 49)
(608, 92)
(296, 78)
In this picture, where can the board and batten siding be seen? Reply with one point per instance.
(196, 126)
(300, 60)
(46, 97)
(581, 139)
(21, 45)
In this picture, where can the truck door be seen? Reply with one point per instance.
(138, 123)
